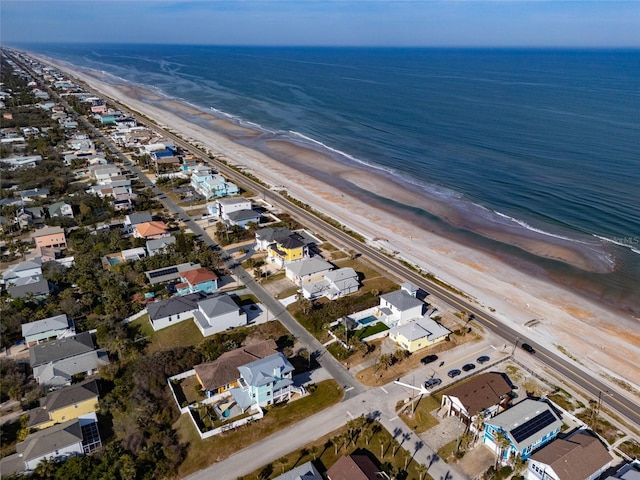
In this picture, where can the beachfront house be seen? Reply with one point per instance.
(399, 307)
(212, 185)
(237, 211)
(334, 284)
(526, 426)
(581, 456)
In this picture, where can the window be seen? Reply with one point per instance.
(268, 394)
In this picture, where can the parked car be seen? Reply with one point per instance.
(454, 373)
(468, 367)
(483, 359)
(528, 348)
(429, 359)
(432, 382)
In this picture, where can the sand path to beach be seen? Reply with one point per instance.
(605, 342)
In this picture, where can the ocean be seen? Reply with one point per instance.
(541, 142)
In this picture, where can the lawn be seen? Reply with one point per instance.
(183, 334)
(446, 451)
(202, 453)
(421, 420)
(379, 446)
(370, 330)
(631, 448)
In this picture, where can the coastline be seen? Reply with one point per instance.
(335, 189)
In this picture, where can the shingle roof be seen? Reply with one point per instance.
(47, 231)
(306, 471)
(61, 372)
(575, 458)
(50, 440)
(353, 467)
(263, 371)
(59, 349)
(481, 392)
(401, 300)
(308, 266)
(199, 275)
(59, 322)
(240, 215)
(174, 305)
(224, 370)
(218, 305)
(421, 328)
(62, 398)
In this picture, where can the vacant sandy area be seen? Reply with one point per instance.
(605, 342)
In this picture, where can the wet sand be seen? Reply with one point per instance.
(601, 338)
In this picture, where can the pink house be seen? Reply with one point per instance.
(50, 237)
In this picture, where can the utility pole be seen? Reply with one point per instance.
(515, 344)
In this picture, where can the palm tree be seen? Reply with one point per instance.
(502, 443)
(421, 470)
(478, 426)
(381, 440)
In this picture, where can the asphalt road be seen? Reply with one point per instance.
(572, 373)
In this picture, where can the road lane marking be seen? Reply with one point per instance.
(349, 413)
(348, 389)
(394, 418)
(383, 389)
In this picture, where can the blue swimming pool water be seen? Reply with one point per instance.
(367, 320)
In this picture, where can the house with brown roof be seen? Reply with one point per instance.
(222, 374)
(150, 230)
(355, 467)
(582, 456)
(486, 394)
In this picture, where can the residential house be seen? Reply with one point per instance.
(581, 456)
(131, 254)
(269, 236)
(243, 218)
(197, 280)
(335, 284)
(65, 404)
(60, 209)
(212, 185)
(306, 471)
(103, 173)
(287, 250)
(160, 245)
(150, 230)
(236, 209)
(50, 237)
(264, 382)
(164, 313)
(221, 375)
(400, 307)
(307, 270)
(47, 329)
(168, 274)
(133, 219)
(217, 314)
(30, 216)
(34, 194)
(628, 471)
(37, 287)
(25, 269)
(355, 467)
(55, 363)
(60, 442)
(486, 394)
(418, 334)
(21, 162)
(527, 426)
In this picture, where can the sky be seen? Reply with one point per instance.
(423, 23)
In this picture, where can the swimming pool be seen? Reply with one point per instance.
(367, 320)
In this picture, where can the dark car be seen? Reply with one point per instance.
(528, 348)
(454, 373)
(483, 359)
(429, 359)
(432, 382)
(468, 367)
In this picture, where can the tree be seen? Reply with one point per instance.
(314, 451)
(478, 426)
(503, 443)
(382, 442)
(421, 470)
(46, 468)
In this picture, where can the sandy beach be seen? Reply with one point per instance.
(604, 341)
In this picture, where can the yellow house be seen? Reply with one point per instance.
(419, 334)
(286, 250)
(65, 404)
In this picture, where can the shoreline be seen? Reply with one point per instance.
(568, 319)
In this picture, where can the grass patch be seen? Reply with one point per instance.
(202, 453)
(630, 448)
(339, 352)
(183, 334)
(446, 451)
(370, 330)
(561, 401)
(245, 300)
(421, 420)
(599, 425)
(325, 451)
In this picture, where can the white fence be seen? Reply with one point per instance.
(224, 428)
(180, 376)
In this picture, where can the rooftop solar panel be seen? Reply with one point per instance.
(162, 273)
(532, 426)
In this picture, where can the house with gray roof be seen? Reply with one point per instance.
(60, 209)
(34, 193)
(242, 218)
(164, 313)
(55, 363)
(159, 245)
(168, 274)
(528, 425)
(307, 269)
(334, 285)
(60, 442)
(51, 328)
(400, 307)
(306, 471)
(418, 334)
(37, 287)
(65, 404)
(25, 269)
(264, 382)
(217, 314)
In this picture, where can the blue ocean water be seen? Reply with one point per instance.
(544, 140)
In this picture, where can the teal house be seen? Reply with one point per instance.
(264, 382)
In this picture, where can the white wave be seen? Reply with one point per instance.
(524, 224)
(619, 243)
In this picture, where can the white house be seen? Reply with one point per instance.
(217, 314)
(307, 269)
(229, 205)
(46, 329)
(335, 284)
(400, 307)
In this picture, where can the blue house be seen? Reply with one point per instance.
(264, 382)
(212, 185)
(528, 425)
(197, 280)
